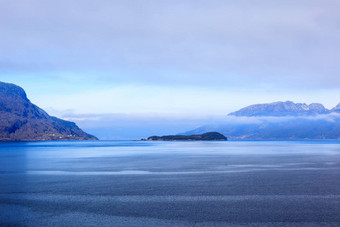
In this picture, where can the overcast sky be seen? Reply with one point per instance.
(174, 57)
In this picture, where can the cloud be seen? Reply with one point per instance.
(236, 120)
(165, 100)
(205, 43)
(137, 126)
(191, 58)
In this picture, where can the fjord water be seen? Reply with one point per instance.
(144, 183)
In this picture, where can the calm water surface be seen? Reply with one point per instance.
(144, 183)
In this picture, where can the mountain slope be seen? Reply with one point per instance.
(20, 120)
(287, 108)
(278, 121)
(276, 129)
(336, 109)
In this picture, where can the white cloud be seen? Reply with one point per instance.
(194, 57)
(210, 43)
(169, 100)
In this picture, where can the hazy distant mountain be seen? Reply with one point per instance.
(281, 109)
(279, 120)
(20, 120)
(336, 109)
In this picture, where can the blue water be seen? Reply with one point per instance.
(145, 183)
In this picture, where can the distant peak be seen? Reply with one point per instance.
(316, 106)
(8, 89)
(280, 108)
(336, 108)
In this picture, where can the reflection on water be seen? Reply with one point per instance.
(170, 183)
(140, 157)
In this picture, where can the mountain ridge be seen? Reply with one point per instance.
(21, 120)
(336, 108)
(278, 121)
(287, 108)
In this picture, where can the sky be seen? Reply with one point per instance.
(169, 65)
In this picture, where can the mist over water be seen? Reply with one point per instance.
(134, 183)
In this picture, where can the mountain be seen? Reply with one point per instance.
(278, 121)
(20, 120)
(277, 129)
(287, 108)
(336, 109)
(205, 136)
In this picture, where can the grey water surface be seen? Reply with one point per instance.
(145, 183)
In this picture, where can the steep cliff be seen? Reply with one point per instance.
(20, 120)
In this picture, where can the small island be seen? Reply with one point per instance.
(209, 136)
